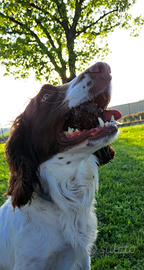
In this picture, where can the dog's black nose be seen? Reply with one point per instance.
(100, 68)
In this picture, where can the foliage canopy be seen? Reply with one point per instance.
(58, 35)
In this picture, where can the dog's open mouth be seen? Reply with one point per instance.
(89, 121)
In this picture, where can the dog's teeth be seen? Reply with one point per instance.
(106, 124)
(112, 119)
(117, 123)
(101, 122)
(70, 130)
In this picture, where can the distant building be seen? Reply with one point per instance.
(129, 108)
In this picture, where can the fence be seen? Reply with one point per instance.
(129, 108)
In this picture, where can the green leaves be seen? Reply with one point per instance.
(58, 35)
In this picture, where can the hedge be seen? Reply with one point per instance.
(133, 117)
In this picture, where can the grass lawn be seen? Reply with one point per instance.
(4, 174)
(120, 204)
(3, 138)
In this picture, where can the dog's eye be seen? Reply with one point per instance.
(46, 96)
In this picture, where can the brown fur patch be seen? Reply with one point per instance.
(79, 79)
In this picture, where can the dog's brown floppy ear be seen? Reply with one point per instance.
(23, 163)
(104, 155)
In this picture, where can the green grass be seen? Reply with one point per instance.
(4, 137)
(120, 204)
(4, 174)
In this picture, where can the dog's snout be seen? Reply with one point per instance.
(101, 68)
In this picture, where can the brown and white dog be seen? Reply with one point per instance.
(55, 145)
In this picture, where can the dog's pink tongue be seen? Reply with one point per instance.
(108, 114)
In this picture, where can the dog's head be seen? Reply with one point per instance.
(71, 117)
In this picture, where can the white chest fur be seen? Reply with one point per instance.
(72, 184)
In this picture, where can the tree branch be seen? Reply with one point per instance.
(94, 23)
(57, 50)
(63, 14)
(11, 32)
(108, 29)
(77, 14)
(53, 17)
(46, 32)
(41, 45)
(35, 6)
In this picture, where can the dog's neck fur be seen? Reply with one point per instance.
(74, 189)
(68, 173)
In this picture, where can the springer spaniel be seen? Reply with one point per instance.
(55, 145)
